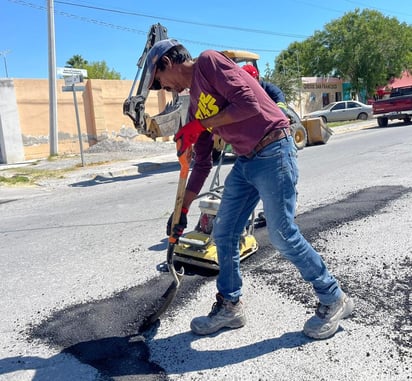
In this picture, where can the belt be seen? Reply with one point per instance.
(270, 137)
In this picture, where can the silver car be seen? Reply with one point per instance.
(343, 110)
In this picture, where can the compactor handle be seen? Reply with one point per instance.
(184, 161)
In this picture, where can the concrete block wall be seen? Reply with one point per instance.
(100, 109)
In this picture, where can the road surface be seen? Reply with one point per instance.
(80, 273)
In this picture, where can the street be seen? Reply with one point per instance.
(79, 274)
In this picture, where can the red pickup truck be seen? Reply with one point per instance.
(397, 106)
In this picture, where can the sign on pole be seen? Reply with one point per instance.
(73, 88)
(71, 77)
(79, 131)
(76, 109)
(70, 71)
(68, 81)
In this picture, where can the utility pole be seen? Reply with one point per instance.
(3, 54)
(52, 81)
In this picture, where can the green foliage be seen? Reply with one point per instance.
(96, 70)
(77, 61)
(14, 180)
(289, 82)
(100, 70)
(364, 48)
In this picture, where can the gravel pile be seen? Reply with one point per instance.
(130, 149)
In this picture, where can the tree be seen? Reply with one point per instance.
(288, 81)
(364, 48)
(96, 70)
(77, 61)
(100, 70)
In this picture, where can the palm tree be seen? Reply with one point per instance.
(77, 61)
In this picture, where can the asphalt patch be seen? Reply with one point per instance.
(107, 334)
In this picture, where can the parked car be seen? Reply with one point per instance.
(343, 110)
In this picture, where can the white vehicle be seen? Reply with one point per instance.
(341, 111)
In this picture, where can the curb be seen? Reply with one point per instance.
(126, 169)
(355, 126)
(132, 170)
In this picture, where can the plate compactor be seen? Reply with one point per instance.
(197, 247)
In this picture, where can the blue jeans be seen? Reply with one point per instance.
(271, 175)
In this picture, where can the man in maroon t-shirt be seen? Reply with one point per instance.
(226, 100)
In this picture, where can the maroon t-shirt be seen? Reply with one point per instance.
(220, 84)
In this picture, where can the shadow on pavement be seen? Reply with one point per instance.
(128, 357)
(391, 125)
(143, 170)
(131, 354)
(139, 171)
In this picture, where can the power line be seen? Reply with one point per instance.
(137, 31)
(259, 31)
(391, 11)
(357, 4)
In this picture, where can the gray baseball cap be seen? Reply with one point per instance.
(158, 50)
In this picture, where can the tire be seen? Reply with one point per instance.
(324, 119)
(382, 121)
(407, 120)
(300, 136)
(363, 116)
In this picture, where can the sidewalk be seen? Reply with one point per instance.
(103, 160)
(356, 126)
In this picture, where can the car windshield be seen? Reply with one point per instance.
(327, 107)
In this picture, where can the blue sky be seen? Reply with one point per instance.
(116, 31)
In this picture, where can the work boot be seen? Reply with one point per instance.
(325, 322)
(224, 314)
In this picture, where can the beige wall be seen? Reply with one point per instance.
(313, 91)
(100, 109)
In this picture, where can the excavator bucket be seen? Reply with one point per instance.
(168, 122)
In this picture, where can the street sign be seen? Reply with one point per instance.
(73, 79)
(69, 71)
(73, 88)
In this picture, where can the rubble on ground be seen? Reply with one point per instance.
(134, 148)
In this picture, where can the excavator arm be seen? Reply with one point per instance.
(172, 117)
